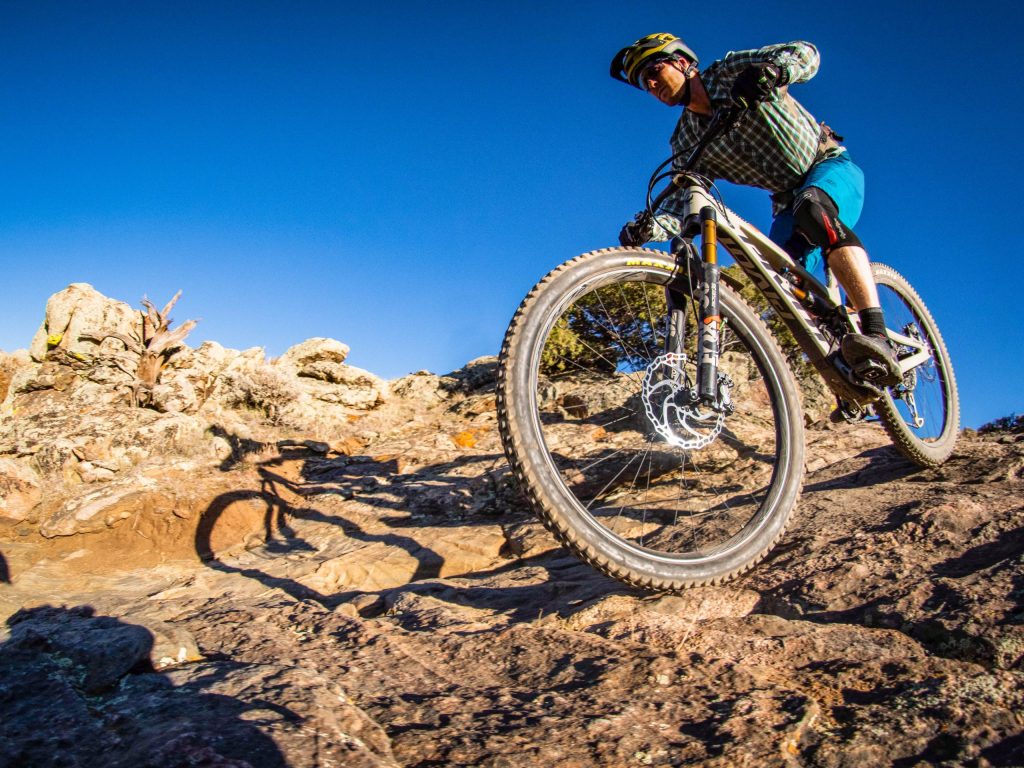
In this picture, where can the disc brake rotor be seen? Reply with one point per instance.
(670, 401)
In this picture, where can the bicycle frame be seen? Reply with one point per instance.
(767, 265)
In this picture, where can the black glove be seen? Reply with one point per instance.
(755, 84)
(638, 231)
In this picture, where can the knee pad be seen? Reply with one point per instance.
(816, 217)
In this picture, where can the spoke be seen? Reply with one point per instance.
(647, 491)
(614, 378)
(714, 489)
(602, 460)
(633, 484)
(650, 317)
(680, 497)
(613, 330)
(609, 484)
(731, 438)
(722, 501)
(607, 424)
(613, 363)
(689, 512)
(636, 320)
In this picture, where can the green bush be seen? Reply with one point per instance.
(612, 328)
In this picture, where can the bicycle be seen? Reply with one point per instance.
(651, 417)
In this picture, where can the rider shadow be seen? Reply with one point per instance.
(5, 574)
(431, 495)
(280, 537)
(68, 674)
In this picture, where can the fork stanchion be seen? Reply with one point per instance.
(710, 314)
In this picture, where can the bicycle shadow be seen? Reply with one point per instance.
(67, 674)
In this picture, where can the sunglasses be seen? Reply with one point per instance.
(652, 70)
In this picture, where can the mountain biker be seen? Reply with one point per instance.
(817, 191)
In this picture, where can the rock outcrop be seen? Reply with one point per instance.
(291, 562)
(74, 458)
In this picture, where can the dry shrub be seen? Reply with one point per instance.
(262, 389)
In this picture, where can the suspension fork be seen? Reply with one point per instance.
(710, 319)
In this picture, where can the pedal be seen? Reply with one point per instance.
(839, 415)
(845, 414)
(850, 413)
(861, 386)
(871, 360)
(871, 371)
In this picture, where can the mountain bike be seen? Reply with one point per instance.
(652, 418)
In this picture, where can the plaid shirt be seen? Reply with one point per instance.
(774, 145)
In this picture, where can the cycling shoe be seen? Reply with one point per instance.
(872, 358)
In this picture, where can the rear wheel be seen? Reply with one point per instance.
(922, 412)
(603, 431)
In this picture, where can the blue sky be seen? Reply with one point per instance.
(398, 178)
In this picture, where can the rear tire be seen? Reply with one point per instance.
(578, 367)
(929, 390)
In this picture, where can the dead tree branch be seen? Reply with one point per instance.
(152, 350)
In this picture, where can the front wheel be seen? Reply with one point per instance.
(603, 428)
(922, 412)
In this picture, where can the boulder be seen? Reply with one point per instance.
(421, 553)
(346, 386)
(80, 689)
(99, 649)
(419, 390)
(103, 508)
(60, 428)
(476, 375)
(319, 367)
(81, 309)
(313, 355)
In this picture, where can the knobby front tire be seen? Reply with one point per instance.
(581, 443)
(929, 390)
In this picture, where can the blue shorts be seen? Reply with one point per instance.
(842, 180)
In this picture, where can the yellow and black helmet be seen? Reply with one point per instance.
(629, 63)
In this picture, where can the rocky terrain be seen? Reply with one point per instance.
(293, 563)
